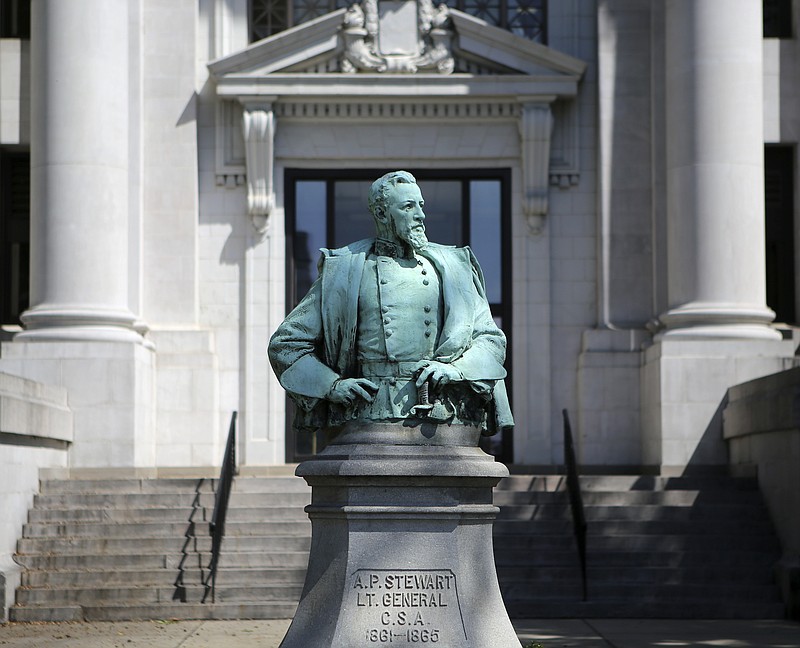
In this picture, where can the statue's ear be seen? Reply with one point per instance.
(381, 215)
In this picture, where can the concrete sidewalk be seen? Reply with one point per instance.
(581, 633)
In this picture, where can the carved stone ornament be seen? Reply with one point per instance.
(259, 134)
(397, 36)
(536, 126)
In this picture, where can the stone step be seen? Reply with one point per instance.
(548, 607)
(167, 546)
(163, 530)
(110, 551)
(271, 556)
(172, 485)
(632, 498)
(126, 486)
(171, 610)
(65, 596)
(128, 560)
(645, 575)
(163, 500)
(616, 483)
(698, 528)
(627, 559)
(260, 559)
(162, 577)
(119, 515)
(751, 513)
(271, 485)
(182, 514)
(122, 500)
(640, 542)
(731, 593)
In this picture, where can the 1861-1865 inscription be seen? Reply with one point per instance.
(406, 607)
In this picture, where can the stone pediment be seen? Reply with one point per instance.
(397, 59)
(349, 52)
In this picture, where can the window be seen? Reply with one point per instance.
(14, 235)
(268, 17)
(526, 18)
(780, 231)
(329, 209)
(777, 18)
(15, 19)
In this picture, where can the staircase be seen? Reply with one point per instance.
(657, 547)
(691, 547)
(138, 549)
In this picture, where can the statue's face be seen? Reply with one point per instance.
(404, 207)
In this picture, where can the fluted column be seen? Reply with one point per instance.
(715, 177)
(79, 172)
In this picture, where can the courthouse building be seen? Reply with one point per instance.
(625, 171)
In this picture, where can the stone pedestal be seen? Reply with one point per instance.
(401, 553)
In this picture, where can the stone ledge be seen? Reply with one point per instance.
(768, 404)
(32, 413)
(165, 472)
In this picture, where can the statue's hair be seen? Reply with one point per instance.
(379, 191)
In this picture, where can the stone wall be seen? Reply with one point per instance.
(35, 433)
(762, 428)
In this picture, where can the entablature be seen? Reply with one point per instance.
(337, 68)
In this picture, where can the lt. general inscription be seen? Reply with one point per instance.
(407, 607)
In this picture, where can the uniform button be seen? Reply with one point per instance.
(386, 320)
(427, 309)
(425, 282)
(424, 271)
(383, 281)
(385, 309)
(427, 322)
(389, 334)
(427, 333)
(392, 358)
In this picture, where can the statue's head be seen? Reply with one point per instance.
(395, 201)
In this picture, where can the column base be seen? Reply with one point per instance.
(401, 549)
(706, 320)
(48, 323)
(684, 390)
(110, 387)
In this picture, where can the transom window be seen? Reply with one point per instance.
(526, 18)
(329, 209)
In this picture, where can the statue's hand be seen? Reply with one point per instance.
(347, 390)
(440, 373)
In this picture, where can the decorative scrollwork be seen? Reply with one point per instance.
(361, 32)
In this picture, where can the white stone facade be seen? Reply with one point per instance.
(159, 142)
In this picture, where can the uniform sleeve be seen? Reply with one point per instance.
(484, 357)
(295, 349)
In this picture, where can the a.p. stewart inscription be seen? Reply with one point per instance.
(406, 607)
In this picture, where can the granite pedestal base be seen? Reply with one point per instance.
(401, 552)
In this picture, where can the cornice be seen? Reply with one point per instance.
(369, 86)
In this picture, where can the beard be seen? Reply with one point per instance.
(414, 235)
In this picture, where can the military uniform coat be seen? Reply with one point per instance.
(316, 344)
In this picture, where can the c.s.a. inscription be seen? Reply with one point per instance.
(406, 607)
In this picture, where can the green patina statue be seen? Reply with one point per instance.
(395, 329)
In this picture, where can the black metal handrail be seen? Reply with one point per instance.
(575, 498)
(217, 527)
